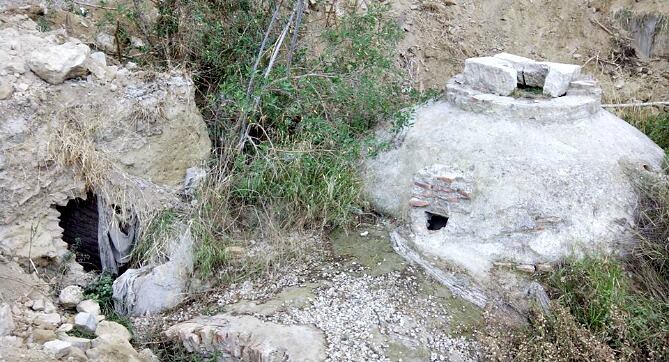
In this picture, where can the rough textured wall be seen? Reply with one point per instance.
(104, 127)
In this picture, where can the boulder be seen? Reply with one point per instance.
(85, 322)
(89, 306)
(152, 289)
(491, 74)
(106, 328)
(6, 320)
(70, 296)
(479, 178)
(111, 348)
(47, 320)
(57, 348)
(559, 78)
(55, 64)
(248, 338)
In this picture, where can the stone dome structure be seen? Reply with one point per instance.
(518, 163)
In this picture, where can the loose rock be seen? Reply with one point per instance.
(107, 328)
(55, 64)
(6, 320)
(491, 74)
(85, 322)
(89, 306)
(71, 296)
(57, 348)
(47, 320)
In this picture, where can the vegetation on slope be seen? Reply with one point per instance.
(289, 119)
(603, 308)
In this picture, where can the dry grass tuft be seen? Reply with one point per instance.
(546, 338)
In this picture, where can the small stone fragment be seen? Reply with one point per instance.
(6, 89)
(89, 306)
(76, 355)
(85, 322)
(47, 320)
(64, 328)
(78, 342)
(414, 202)
(6, 320)
(526, 268)
(559, 77)
(147, 355)
(106, 43)
(545, 268)
(57, 348)
(42, 336)
(106, 328)
(71, 296)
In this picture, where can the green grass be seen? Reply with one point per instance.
(655, 125)
(601, 296)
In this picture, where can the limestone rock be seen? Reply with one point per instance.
(57, 63)
(112, 328)
(111, 348)
(147, 355)
(43, 304)
(156, 112)
(65, 327)
(76, 355)
(97, 65)
(152, 289)
(559, 78)
(11, 341)
(491, 74)
(78, 342)
(43, 335)
(57, 348)
(249, 338)
(6, 321)
(70, 296)
(85, 322)
(47, 320)
(6, 89)
(106, 43)
(89, 306)
(530, 72)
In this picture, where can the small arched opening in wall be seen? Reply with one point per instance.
(79, 219)
(435, 221)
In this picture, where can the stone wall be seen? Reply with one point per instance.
(71, 123)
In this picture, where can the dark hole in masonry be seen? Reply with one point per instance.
(79, 220)
(435, 221)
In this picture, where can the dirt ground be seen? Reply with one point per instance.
(369, 302)
(441, 34)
